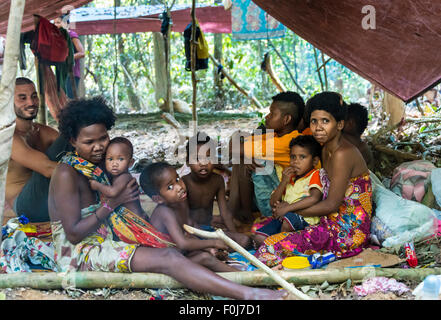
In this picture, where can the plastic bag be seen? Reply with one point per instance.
(411, 179)
(406, 220)
(435, 179)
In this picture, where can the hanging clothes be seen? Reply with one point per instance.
(201, 48)
(249, 22)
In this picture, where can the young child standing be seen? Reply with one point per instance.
(356, 122)
(300, 187)
(204, 186)
(118, 160)
(346, 208)
(161, 182)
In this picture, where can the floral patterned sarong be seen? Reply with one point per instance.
(96, 252)
(345, 233)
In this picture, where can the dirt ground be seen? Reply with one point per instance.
(154, 140)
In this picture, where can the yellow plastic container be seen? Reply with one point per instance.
(296, 262)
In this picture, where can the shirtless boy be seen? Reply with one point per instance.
(356, 122)
(118, 160)
(161, 182)
(204, 186)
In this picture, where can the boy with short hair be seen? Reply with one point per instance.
(204, 186)
(161, 182)
(300, 187)
(285, 118)
(356, 122)
(118, 160)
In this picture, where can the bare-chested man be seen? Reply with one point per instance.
(30, 143)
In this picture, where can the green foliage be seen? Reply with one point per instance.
(241, 59)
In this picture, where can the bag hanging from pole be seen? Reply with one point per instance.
(201, 48)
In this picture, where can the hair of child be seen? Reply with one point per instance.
(201, 138)
(124, 141)
(308, 142)
(331, 102)
(80, 113)
(149, 179)
(291, 103)
(360, 115)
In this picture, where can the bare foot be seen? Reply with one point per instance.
(266, 294)
(277, 268)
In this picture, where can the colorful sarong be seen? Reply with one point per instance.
(344, 233)
(97, 252)
(128, 226)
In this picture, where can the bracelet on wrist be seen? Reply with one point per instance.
(105, 205)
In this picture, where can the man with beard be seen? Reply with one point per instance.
(30, 167)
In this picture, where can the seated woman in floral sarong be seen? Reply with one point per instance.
(345, 212)
(80, 219)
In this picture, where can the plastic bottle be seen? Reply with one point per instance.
(431, 287)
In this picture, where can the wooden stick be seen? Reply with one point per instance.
(397, 153)
(317, 68)
(269, 69)
(171, 120)
(241, 90)
(422, 120)
(193, 43)
(219, 234)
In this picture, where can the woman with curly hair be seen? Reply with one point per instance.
(82, 237)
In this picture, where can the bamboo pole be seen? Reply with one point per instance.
(234, 83)
(193, 43)
(7, 87)
(219, 234)
(139, 280)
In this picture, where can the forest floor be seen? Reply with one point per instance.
(154, 140)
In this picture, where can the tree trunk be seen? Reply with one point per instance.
(81, 87)
(219, 92)
(7, 87)
(134, 100)
(160, 68)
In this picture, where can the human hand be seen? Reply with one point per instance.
(280, 209)
(219, 244)
(212, 251)
(128, 194)
(251, 167)
(287, 173)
